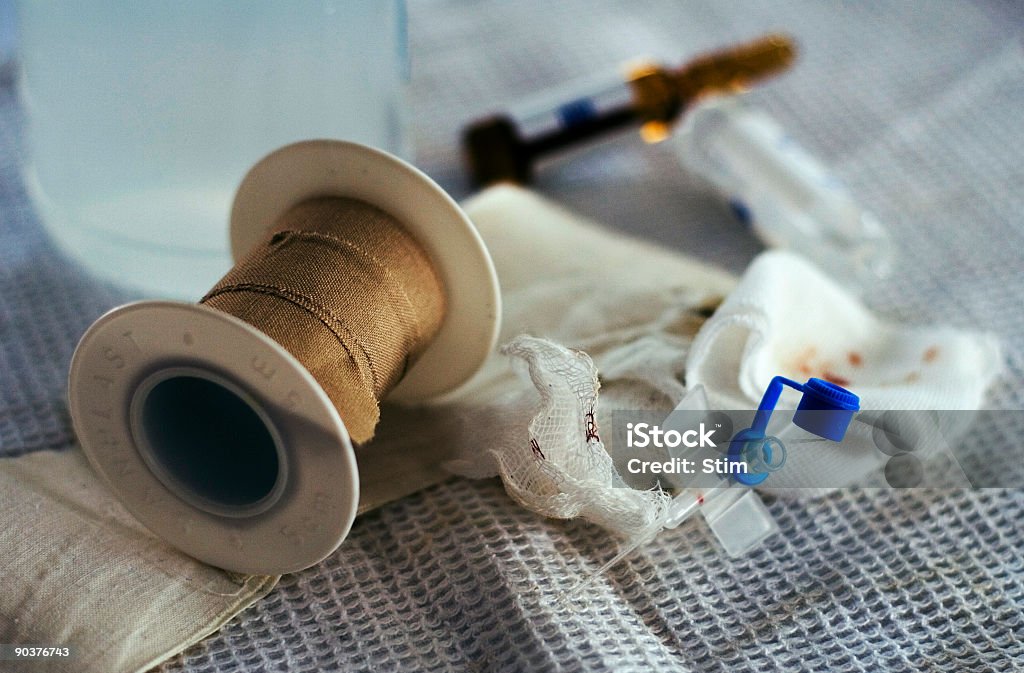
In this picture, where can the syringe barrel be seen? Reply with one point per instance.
(787, 195)
(505, 147)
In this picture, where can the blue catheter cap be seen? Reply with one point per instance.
(826, 409)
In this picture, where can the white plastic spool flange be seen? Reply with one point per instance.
(308, 509)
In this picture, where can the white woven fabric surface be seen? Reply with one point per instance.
(918, 107)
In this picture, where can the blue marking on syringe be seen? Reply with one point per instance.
(741, 211)
(576, 112)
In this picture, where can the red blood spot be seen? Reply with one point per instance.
(700, 499)
(931, 354)
(855, 358)
(836, 379)
(802, 362)
(591, 427)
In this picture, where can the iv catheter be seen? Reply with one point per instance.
(742, 521)
(825, 410)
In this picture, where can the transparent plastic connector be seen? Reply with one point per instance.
(739, 520)
(786, 195)
(733, 511)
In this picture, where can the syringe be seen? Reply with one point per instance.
(506, 146)
(784, 193)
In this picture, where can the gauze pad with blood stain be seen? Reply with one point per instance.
(788, 318)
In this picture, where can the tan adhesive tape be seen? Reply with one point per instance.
(233, 445)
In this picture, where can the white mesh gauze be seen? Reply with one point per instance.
(563, 469)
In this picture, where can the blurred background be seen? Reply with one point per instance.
(912, 104)
(915, 106)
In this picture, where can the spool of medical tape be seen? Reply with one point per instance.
(213, 434)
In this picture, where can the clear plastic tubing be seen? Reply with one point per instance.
(689, 501)
(786, 195)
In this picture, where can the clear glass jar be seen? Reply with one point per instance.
(144, 116)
